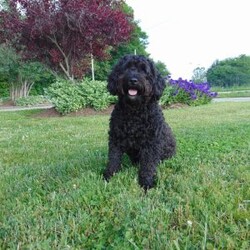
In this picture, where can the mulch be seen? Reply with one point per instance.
(7, 104)
(52, 112)
(91, 112)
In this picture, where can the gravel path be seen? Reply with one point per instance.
(235, 99)
(16, 108)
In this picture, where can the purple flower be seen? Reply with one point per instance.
(193, 97)
(194, 90)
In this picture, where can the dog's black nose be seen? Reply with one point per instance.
(133, 81)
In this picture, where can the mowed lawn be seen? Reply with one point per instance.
(52, 195)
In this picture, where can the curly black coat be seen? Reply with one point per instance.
(137, 125)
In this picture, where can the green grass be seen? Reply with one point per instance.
(231, 88)
(231, 92)
(52, 195)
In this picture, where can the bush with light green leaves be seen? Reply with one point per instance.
(70, 97)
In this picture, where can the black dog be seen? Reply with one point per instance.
(137, 125)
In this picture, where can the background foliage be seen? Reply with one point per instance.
(186, 92)
(31, 101)
(19, 77)
(199, 75)
(135, 43)
(63, 34)
(230, 72)
(68, 97)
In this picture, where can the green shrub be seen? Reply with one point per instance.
(4, 89)
(167, 97)
(70, 97)
(65, 96)
(96, 95)
(31, 100)
(170, 96)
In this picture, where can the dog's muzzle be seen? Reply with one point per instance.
(133, 87)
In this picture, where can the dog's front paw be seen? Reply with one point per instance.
(147, 182)
(106, 175)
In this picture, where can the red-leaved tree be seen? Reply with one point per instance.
(64, 33)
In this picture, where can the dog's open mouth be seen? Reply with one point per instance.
(132, 92)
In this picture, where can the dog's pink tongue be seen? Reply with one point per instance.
(132, 92)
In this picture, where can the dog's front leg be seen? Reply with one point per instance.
(114, 161)
(148, 164)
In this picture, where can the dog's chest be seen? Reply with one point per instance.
(135, 127)
(132, 131)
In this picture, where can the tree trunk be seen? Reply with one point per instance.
(20, 90)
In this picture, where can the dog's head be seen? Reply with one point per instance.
(136, 79)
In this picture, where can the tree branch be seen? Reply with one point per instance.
(67, 69)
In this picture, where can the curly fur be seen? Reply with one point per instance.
(137, 125)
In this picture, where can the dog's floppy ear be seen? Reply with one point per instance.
(114, 75)
(158, 81)
(159, 86)
(113, 81)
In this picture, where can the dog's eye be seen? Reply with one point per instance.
(129, 65)
(143, 67)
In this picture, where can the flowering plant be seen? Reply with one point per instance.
(188, 92)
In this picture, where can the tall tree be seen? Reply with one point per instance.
(229, 72)
(199, 75)
(62, 33)
(137, 43)
(162, 68)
